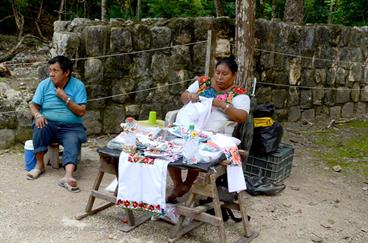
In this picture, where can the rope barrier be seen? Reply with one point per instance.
(193, 43)
(187, 80)
(114, 54)
(311, 58)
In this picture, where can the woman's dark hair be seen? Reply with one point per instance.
(65, 63)
(230, 62)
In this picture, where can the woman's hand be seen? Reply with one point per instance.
(219, 103)
(187, 96)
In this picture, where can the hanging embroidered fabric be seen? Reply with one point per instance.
(142, 183)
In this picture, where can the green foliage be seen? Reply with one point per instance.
(177, 8)
(348, 147)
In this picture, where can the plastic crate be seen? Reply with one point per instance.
(275, 166)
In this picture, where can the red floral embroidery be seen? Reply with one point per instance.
(202, 79)
(239, 90)
(155, 209)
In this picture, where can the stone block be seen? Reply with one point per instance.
(23, 131)
(201, 27)
(342, 95)
(141, 37)
(223, 48)
(307, 78)
(120, 40)
(347, 110)
(161, 36)
(320, 76)
(117, 67)
(199, 58)
(96, 40)
(93, 71)
(356, 73)
(141, 65)
(160, 67)
(180, 58)
(355, 92)
(96, 94)
(364, 94)
(308, 115)
(330, 97)
(113, 116)
(224, 27)
(65, 43)
(361, 109)
(341, 76)
(264, 94)
(281, 114)
(132, 110)
(294, 114)
(295, 71)
(182, 30)
(61, 25)
(92, 121)
(306, 98)
(321, 112)
(318, 95)
(144, 92)
(335, 112)
(7, 138)
(293, 98)
(279, 98)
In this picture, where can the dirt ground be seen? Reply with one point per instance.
(318, 205)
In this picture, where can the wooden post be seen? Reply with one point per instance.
(210, 53)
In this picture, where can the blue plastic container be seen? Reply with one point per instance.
(29, 156)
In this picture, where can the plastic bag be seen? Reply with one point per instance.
(267, 139)
(190, 151)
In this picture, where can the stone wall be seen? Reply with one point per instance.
(308, 72)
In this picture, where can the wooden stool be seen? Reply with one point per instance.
(109, 164)
(208, 188)
(53, 155)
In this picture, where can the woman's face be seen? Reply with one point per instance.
(224, 78)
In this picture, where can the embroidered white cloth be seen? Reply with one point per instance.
(195, 113)
(142, 183)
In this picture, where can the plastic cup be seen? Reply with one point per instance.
(152, 117)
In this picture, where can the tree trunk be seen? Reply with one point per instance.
(244, 41)
(273, 13)
(103, 10)
(61, 9)
(261, 8)
(139, 9)
(294, 11)
(19, 19)
(219, 8)
(332, 4)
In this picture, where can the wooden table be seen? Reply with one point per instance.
(109, 161)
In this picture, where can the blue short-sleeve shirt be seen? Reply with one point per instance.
(54, 108)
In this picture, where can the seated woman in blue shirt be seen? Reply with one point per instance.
(57, 107)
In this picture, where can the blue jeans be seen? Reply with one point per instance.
(71, 136)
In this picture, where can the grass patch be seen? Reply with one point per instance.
(346, 146)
